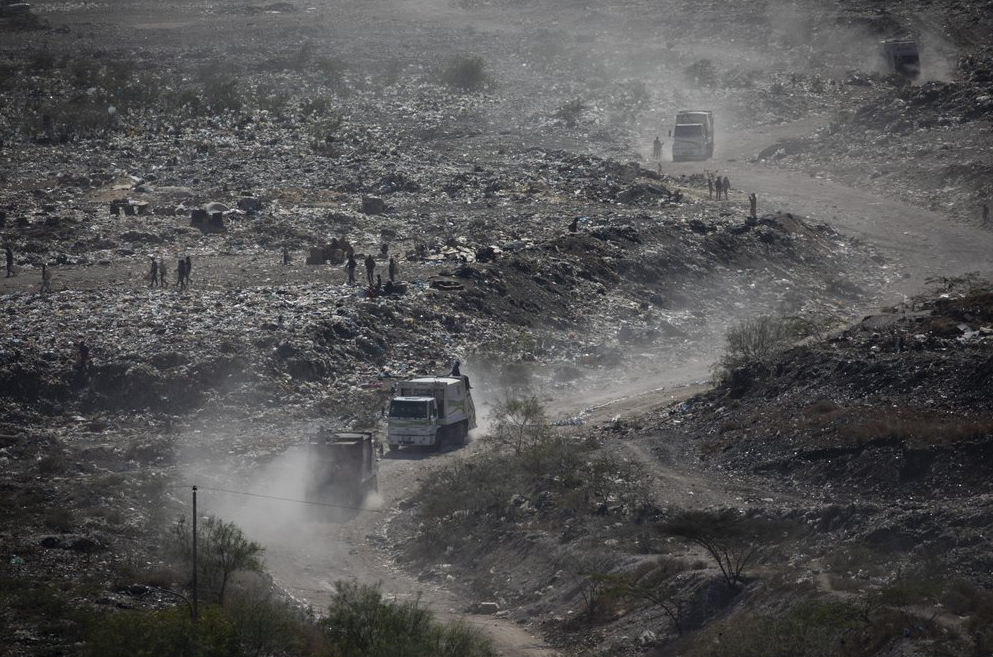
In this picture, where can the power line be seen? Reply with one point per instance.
(286, 499)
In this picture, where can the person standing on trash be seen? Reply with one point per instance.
(181, 274)
(84, 357)
(163, 274)
(350, 266)
(392, 270)
(370, 266)
(46, 279)
(10, 263)
(710, 186)
(727, 186)
(189, 268)
(455, 368)
(753, 202)
(657, 148)
(286, 256)
(986, 220)
(153, 275)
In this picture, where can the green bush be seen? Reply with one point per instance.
(360, 622)
(519, 423)
(163, 634)
(223, 550)
(756, 340)
(813, 630)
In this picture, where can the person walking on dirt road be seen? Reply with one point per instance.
(46, 279)
(370, 266)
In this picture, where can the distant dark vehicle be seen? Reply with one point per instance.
(9, 8)
(693, 136)
(343, 468)
(900, 56)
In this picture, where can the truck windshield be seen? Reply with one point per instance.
(688, 130)
(408, 410)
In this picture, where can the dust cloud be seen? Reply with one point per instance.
(268, 498)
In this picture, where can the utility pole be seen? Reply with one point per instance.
(196, 593)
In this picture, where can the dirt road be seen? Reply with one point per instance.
(920, 243)
(307, 559)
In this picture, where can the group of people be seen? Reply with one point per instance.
(372, 278)
(159, 271)
(715, 182)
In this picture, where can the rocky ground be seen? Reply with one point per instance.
(280, 117)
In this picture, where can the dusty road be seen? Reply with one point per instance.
(920, 243)
(307, 557)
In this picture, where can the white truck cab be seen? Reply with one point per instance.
(429, 411)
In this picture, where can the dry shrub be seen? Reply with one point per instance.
(916, 427)
(822, 407)
(466, 73)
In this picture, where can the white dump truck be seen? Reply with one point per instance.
(900, 56)
(693, 136)
(430, 410)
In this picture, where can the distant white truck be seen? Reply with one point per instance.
(901, 56)
(430, 410)
(693, 136)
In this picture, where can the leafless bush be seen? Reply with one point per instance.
(570, 112)
(596, 583)
(466, 73)
(655, 586)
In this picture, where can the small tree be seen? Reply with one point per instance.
(756, 340)
(520, 423)
(733, 540)
(596, 583)
(223, 550)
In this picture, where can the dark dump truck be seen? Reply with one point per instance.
(900, 56)
(343, 467)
